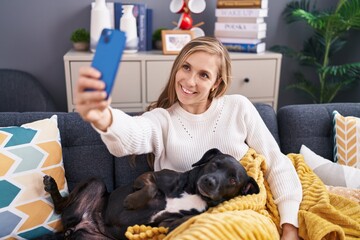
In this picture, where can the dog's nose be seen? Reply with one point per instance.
(210, 182)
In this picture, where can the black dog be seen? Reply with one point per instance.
(164, 198)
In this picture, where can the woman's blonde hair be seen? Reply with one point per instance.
(209, 45)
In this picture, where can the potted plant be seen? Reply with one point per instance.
(330, 29)
(156, 38)
(81, 39)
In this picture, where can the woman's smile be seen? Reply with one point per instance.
(186, 90)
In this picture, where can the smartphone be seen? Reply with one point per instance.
(107, 56)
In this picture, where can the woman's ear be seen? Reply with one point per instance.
(216, 84)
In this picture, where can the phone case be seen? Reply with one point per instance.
(108, 56)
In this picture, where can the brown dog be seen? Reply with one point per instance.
(164, 198)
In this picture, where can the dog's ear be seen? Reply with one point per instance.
(207, 156)
(250, 187)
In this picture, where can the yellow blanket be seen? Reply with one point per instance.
(322, 215)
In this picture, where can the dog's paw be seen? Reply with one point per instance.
(68, 233)
(49, 184)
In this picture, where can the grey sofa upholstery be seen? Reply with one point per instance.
(22, 92)
(85, 155)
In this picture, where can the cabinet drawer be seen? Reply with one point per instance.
(157, 75)
(127, 87)
(253, 78)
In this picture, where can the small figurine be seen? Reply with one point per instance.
(185, 8)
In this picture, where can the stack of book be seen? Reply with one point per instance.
(240, 24)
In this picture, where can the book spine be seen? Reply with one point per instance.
(141, 25)
(117, 14)
(240, 34)
(239, 40)
(140, 15)
(240, 19)
(242, 4)
(149, 21)
(241, 47)
(240, 26)
(241, 12)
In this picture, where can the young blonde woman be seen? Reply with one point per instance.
(192, 115)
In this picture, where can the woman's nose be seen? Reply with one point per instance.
(192, 79)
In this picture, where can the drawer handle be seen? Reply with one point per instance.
(246, 80)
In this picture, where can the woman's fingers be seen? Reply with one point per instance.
(89, 96)
(89, 87)
(90, 72)
(86, 82)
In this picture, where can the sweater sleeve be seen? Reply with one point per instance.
(281, 174)
(129, 135)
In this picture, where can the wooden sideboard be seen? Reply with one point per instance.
(143, 75)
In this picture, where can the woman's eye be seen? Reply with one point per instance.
(186, 67)
(204, 75)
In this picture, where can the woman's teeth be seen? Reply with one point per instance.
(187, 91)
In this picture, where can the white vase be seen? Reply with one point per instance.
(128, 25)
(100, 19)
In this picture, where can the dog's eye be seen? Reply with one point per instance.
(232, 181)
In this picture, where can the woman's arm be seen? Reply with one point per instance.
(281, 174)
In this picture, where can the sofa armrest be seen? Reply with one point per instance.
(268, 115)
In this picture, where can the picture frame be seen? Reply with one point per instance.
(174, 40)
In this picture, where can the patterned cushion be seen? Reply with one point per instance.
(27, 153)
(331, 173)
(346, 140)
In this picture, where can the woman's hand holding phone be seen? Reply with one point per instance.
(93, 106)
(92, 94)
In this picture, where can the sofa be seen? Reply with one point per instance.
(85, 155)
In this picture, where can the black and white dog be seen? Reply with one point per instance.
(164, 198)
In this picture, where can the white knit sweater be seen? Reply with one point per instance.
(178, 139)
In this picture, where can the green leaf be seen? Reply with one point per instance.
(350, 13)
(286, 51)
(304, 85)
(294, 5)
(350, 70)
(315, 21)
(314, 47)
(331, 91)
(291, 53)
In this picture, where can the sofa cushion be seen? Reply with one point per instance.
(27, 153)
(331, 173)
(84, 153)
(346, 140)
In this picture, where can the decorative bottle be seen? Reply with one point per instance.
(100, 19)
(128, 25)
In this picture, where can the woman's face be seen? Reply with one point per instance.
(194, 81)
